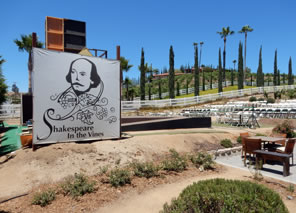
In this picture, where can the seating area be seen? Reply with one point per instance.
(267, 150)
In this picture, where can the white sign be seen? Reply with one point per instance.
(75, 97)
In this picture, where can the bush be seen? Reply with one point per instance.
(291, 93)
(146, 170)
(239, 139)
(253, 98)
(270, 101)
(260, 134)
(175, 162)
(77, 185)
(204, 160)
(119, 177)
(220, 195)
(291, 188)
(260, 99)
(285, 128)
(226, 143)
(44, 198)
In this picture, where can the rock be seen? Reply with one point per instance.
(289, 197)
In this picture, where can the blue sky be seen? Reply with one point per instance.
(155, 25)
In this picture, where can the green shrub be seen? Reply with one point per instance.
(146, 170)
(260, 134)
(203, 159)
(239, 139)
(253, 98)
(119, 177)
(103, 170)
(260, 99)
(220, 195)
(77, 185)
(44, 198)
(286, 127)
(291, 188)
(226, 143)
(270, 101)
(175, 162)
(291, 93)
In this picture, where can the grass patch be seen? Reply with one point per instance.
(44, 198)
(146, 170)
(175, 162)
(226, 143)
(119, 177)
(77, 185)
(213, 91)
(203, 161)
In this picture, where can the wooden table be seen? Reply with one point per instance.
(267, 139)
(273, 142)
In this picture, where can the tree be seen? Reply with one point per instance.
(290, 75)
(1, 60)
(278, 78)
(124, 66)
(3, 86)
(224, 33)
(240, 78)
(187, 85)
(211, 79)
(275, 69)
(143, 76)
(245, 29)
(284, 78)
(178, 88)
(14, 88)
(171, 74)
(203, 80)
(127, 82)
(232, 72)
(25, 44)
(196, 71)
(159, 84)
(260, 76)
(220, 74)
(182, 68)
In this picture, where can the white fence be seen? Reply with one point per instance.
(10, 111)
(134, 105)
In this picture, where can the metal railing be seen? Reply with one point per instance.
(10, 111)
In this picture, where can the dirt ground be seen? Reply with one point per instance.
(28, 171)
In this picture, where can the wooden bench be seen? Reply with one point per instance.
(266, 155)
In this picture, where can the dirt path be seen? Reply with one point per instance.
(152, 200)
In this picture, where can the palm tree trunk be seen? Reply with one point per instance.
(127, 92)
(30, 73)
(224, 58)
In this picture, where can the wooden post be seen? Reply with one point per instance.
(34, 44)
(120, 84)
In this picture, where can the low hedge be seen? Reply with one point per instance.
(220, 195)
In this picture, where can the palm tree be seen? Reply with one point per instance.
(1, 60)
(25, 44)
(224, 33)
(124, 66)
(127, 82)
(245, 29)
